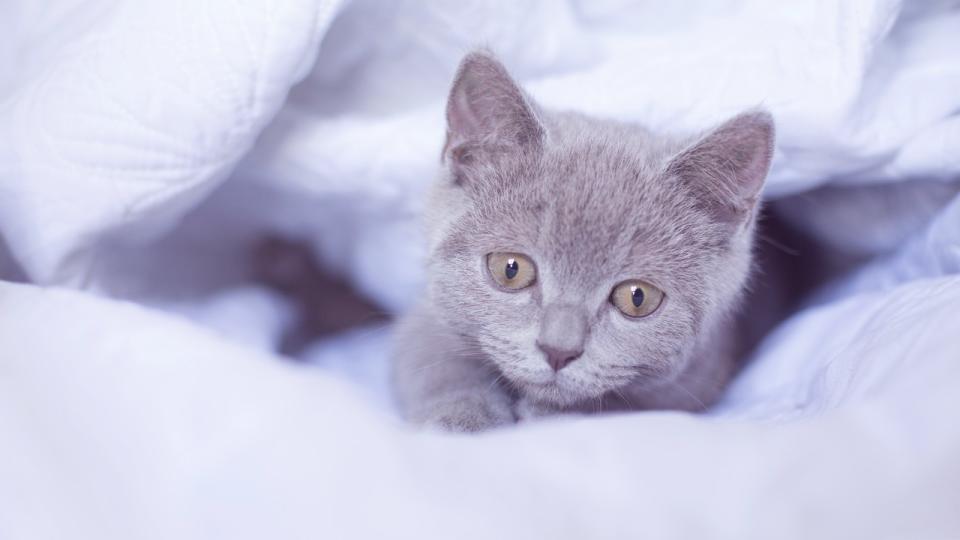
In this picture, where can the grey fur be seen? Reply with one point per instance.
(593, 203)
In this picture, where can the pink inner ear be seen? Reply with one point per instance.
(751, 140)
(463, 123)
(462, 154)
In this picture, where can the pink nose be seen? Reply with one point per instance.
(559, 358)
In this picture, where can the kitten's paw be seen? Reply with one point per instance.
(467, 413)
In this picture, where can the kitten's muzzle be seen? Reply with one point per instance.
(563, 333)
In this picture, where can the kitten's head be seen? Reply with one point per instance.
(580, 254)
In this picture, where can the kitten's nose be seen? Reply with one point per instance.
(563, 332)
(559, 358)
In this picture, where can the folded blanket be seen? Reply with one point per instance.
(127, 423)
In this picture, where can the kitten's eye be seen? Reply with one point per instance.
(636, 298)
(511, 270)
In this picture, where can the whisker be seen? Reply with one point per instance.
(625, 399)
(695, 398)
(422, 368)
(789, 251)
(495, 382)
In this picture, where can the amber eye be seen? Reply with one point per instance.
(636, 298)
(511, 270)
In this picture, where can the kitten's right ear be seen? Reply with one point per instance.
(487, 112)
(727, 167)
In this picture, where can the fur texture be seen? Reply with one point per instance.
(592, 203)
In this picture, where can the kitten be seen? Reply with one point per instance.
(577, 264)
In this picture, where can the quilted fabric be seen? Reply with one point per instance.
(126, 119)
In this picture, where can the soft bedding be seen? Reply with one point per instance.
(145, 146)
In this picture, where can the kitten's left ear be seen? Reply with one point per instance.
(487, 112)
(727, 167)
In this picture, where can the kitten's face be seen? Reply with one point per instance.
(579, 254)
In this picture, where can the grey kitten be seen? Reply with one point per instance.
(577, 264)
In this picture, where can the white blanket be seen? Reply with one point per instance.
(143, 145)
